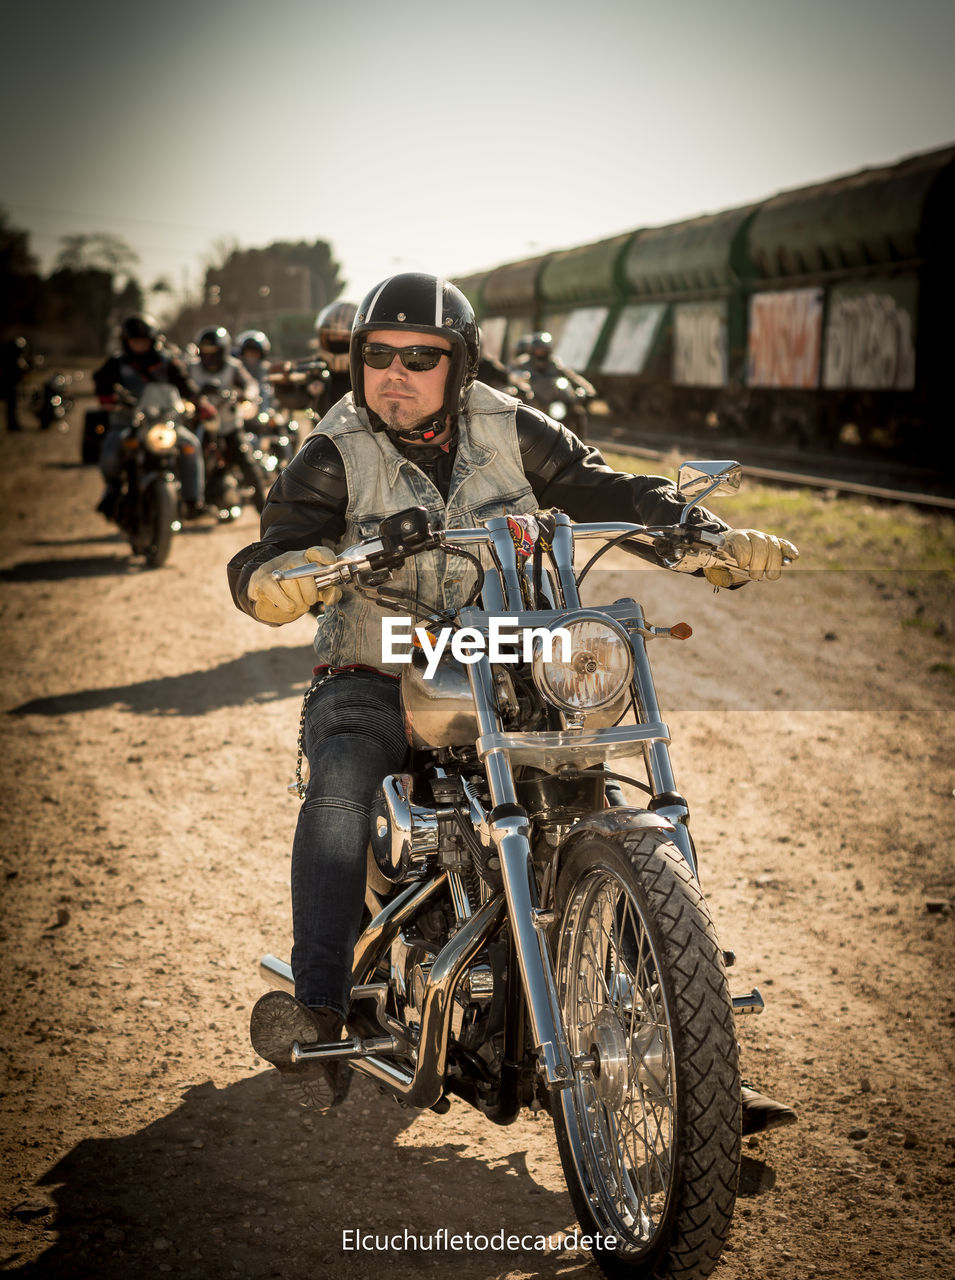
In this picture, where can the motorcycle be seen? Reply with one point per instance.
(52, 402)
(229, 453)
(147, 508)
(561, 397)
(277, 437)
(530, 942)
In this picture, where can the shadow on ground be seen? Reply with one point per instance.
(265, 675)
(75, 567)
(241, 1181)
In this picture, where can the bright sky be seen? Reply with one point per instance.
(442, 136)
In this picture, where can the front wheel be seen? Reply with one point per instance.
(649, 1133)
(161, 513)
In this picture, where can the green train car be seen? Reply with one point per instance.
(817, 319)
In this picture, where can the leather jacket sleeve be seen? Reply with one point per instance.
(305, 506)
(106, 377)
(573, 477)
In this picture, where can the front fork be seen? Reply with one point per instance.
(510, 833)
(666, 800)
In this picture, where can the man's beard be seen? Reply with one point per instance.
(394, 423)
(393, 418)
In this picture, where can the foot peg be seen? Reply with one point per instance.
(350, 1048)
(398, 1036)
(753, 1003)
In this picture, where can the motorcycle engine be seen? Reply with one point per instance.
(411, 962)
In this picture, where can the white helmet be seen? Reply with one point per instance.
(255, 339)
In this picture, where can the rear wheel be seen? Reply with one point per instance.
(161, 510)
(649, 1133)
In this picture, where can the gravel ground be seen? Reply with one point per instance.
(148, 736)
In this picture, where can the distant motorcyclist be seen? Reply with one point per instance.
(227, 384)
(333, 333)
(253, 349)
(543, 379)
(325, 375)
(142, 359)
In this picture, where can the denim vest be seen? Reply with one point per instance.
(488, 480)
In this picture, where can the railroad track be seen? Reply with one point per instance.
(780, 475)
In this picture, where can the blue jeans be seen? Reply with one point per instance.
(354, 736)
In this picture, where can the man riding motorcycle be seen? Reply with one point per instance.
(142, 359)
(252, 349)
(225, 381)
(542, 378)
(418, 429)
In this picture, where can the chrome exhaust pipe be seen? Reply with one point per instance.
(426, 1085)
(277, 973)
(372, 943)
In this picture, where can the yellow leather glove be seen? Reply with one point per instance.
(276, 602)
(760, 554)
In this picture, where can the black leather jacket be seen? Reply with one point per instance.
(307, 503)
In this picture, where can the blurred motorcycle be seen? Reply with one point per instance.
(562, 397)
(52, 402)
(147, 506)
(229, 451)
(276, 438)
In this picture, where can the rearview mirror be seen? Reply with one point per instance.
(697, 480)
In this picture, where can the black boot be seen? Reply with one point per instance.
(278, 1021)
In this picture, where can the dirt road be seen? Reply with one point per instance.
(148, 736)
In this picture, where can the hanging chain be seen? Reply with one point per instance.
(297, 786)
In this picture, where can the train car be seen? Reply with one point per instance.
(816, 319)
(508, 304)
(847, 308)
(679, 337)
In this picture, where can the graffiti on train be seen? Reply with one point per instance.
(869, 344)
(785, 338)
(700, 356)
(634, 337)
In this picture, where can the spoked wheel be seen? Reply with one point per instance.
(649, 1133)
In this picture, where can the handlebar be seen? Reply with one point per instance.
(673, 546)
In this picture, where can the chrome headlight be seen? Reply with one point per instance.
(593, 671)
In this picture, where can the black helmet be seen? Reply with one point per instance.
(139, 325)
(255, 339)
(214, 336)
(423, 304)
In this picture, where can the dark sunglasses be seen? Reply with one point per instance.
(378, 355)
